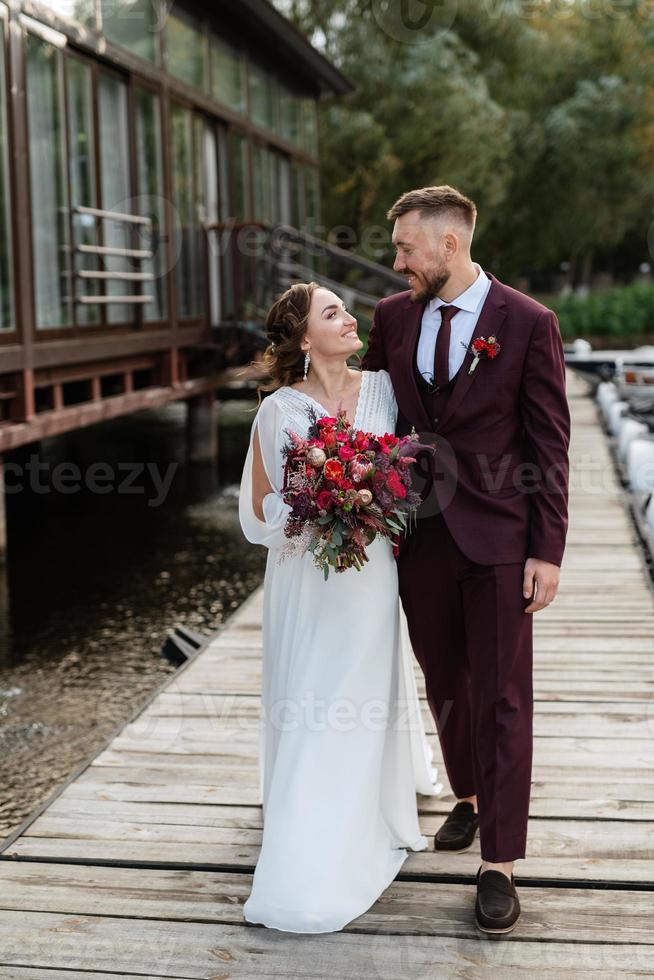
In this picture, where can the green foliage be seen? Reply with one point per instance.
(542, 113)
(618, 313)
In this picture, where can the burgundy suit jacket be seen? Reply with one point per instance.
(500, 471)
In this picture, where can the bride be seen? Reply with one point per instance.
(342, 745)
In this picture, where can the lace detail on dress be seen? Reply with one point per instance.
(380, 411)
(376, 411)
(293, 410)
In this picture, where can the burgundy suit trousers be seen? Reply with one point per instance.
(473, 641)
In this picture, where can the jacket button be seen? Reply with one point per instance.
(435, 420)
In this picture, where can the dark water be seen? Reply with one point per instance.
(95, 581)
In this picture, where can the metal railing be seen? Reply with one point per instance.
(120, 275)
(257, 261)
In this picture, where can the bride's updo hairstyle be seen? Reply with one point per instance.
(286, 325)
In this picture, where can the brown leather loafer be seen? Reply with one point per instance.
(459, 829)
(497, 907)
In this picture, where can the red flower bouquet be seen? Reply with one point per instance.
(345, 487)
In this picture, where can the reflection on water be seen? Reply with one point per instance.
(96, 580)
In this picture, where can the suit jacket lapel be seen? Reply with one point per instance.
(490, 322)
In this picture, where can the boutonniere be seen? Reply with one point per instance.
(482, 350)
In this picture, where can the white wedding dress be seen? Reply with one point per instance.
(342, 744)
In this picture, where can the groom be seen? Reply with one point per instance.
(486, 551)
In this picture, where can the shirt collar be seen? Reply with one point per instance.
(470, 298)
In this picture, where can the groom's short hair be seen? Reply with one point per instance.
(433, 202)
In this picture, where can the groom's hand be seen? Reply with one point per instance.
(544, 577)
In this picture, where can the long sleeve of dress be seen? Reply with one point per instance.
(270, 532)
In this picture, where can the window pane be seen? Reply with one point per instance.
(132, 24)
(82, 159)
(241, 182)
(275, 95)
(82, 184)
(225, 212)
(189, 260)
(210, 157)
(297, 195)
(285, 191)
(115, 191)
(271, 187)
(290, 108)
(312, 195)
(227, 75)
(50, 239)
(258, 178)
(6, 273)
(185, 47)
(261, 181)
(310, 126)
(182, 151)
(274, 166)
(199, 216)
(151, 200)
(223, 174)
(261, 97)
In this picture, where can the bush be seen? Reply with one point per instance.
(619, 313)
(625, 312)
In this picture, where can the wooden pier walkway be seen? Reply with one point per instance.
(140, 865)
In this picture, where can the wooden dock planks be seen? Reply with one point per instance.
(141, 864)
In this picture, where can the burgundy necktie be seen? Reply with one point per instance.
(442, 351)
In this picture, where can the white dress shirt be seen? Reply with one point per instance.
(462, 325)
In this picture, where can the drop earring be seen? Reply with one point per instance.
(307, 362)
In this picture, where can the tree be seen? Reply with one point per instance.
(543, 114)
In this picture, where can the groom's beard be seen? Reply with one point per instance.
(428, 287)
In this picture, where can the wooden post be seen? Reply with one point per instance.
(3, 518)
(4, 609)
(26, 409)
(202, 428)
